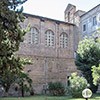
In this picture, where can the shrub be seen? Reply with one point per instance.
(56, 88)
(96, 74)
(77, 85)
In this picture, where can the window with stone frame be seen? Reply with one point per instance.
(49, 38)
(84, 27)
(94, 21)
(63, 40)
(34, 35)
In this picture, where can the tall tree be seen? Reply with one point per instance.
(88, 54)
(11, 34)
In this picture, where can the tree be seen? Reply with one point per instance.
(11, 34)
(77, 85)
(96, 74)
(88, 54)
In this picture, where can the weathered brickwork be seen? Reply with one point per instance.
(49, 63)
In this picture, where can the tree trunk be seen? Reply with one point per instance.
(6, 94)
(22, 90)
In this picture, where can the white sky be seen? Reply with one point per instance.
(55, 8)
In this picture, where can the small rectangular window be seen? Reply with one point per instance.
(84, 27)
(94, 21)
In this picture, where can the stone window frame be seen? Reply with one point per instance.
(94, 20)
(34, 35)
(63, 40)
(84, 27)
(49, 38)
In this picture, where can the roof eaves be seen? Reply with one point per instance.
(45, 18)
(90, 10)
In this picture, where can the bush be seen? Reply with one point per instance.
(77, 85)
(56, 88)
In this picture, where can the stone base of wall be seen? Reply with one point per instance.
(44, 70)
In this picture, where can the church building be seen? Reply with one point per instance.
(51, 46)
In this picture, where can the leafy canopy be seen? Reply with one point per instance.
(88, 54)
(11, 34)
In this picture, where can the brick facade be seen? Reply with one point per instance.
(49, 63)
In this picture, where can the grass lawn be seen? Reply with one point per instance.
(96, 97)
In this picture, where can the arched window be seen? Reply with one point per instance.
(63, 40)
(49, 38)
(34, 35)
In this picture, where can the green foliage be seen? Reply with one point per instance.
(11, 34)
(56, 88)
(88, 54)
(77, 85)
(96, 74)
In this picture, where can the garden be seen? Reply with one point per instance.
(12, 67)
(94, 97)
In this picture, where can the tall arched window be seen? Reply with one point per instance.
(63, 40)
(49, 38)
(34, 35)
